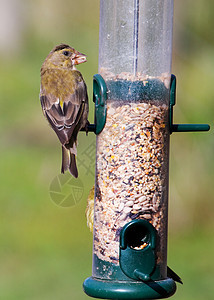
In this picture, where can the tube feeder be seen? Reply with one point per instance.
(134, 95)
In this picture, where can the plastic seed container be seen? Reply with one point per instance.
(131, 186)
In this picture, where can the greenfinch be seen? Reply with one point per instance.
(64, 100)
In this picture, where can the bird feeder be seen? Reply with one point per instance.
(134, 95)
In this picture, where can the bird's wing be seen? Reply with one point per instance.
(64, 115)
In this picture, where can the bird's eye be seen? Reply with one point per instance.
(66, 53)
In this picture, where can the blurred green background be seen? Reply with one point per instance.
(46, 249)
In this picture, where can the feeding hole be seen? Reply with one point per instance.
(137, 236)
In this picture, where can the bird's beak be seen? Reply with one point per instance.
(79, 58)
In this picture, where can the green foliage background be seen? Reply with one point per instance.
(46, 250)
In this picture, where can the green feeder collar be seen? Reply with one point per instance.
(108, 289)
(154, 88)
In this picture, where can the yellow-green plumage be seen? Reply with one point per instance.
(53, 82)
(64, 100)
(90, 209)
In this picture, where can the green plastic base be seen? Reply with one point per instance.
(108, 289)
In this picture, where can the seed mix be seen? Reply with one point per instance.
(131, 173)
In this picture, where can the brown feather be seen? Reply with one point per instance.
(65, 159)
(60, 47)
(73, 167)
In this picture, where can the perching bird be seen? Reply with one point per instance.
(90, 220)
(64, 100)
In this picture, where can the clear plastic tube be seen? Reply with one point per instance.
(135, 36)
(133, 148)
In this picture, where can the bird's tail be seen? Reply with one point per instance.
(173, 275)
(69, 161)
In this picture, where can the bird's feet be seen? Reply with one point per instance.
(86, 127)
